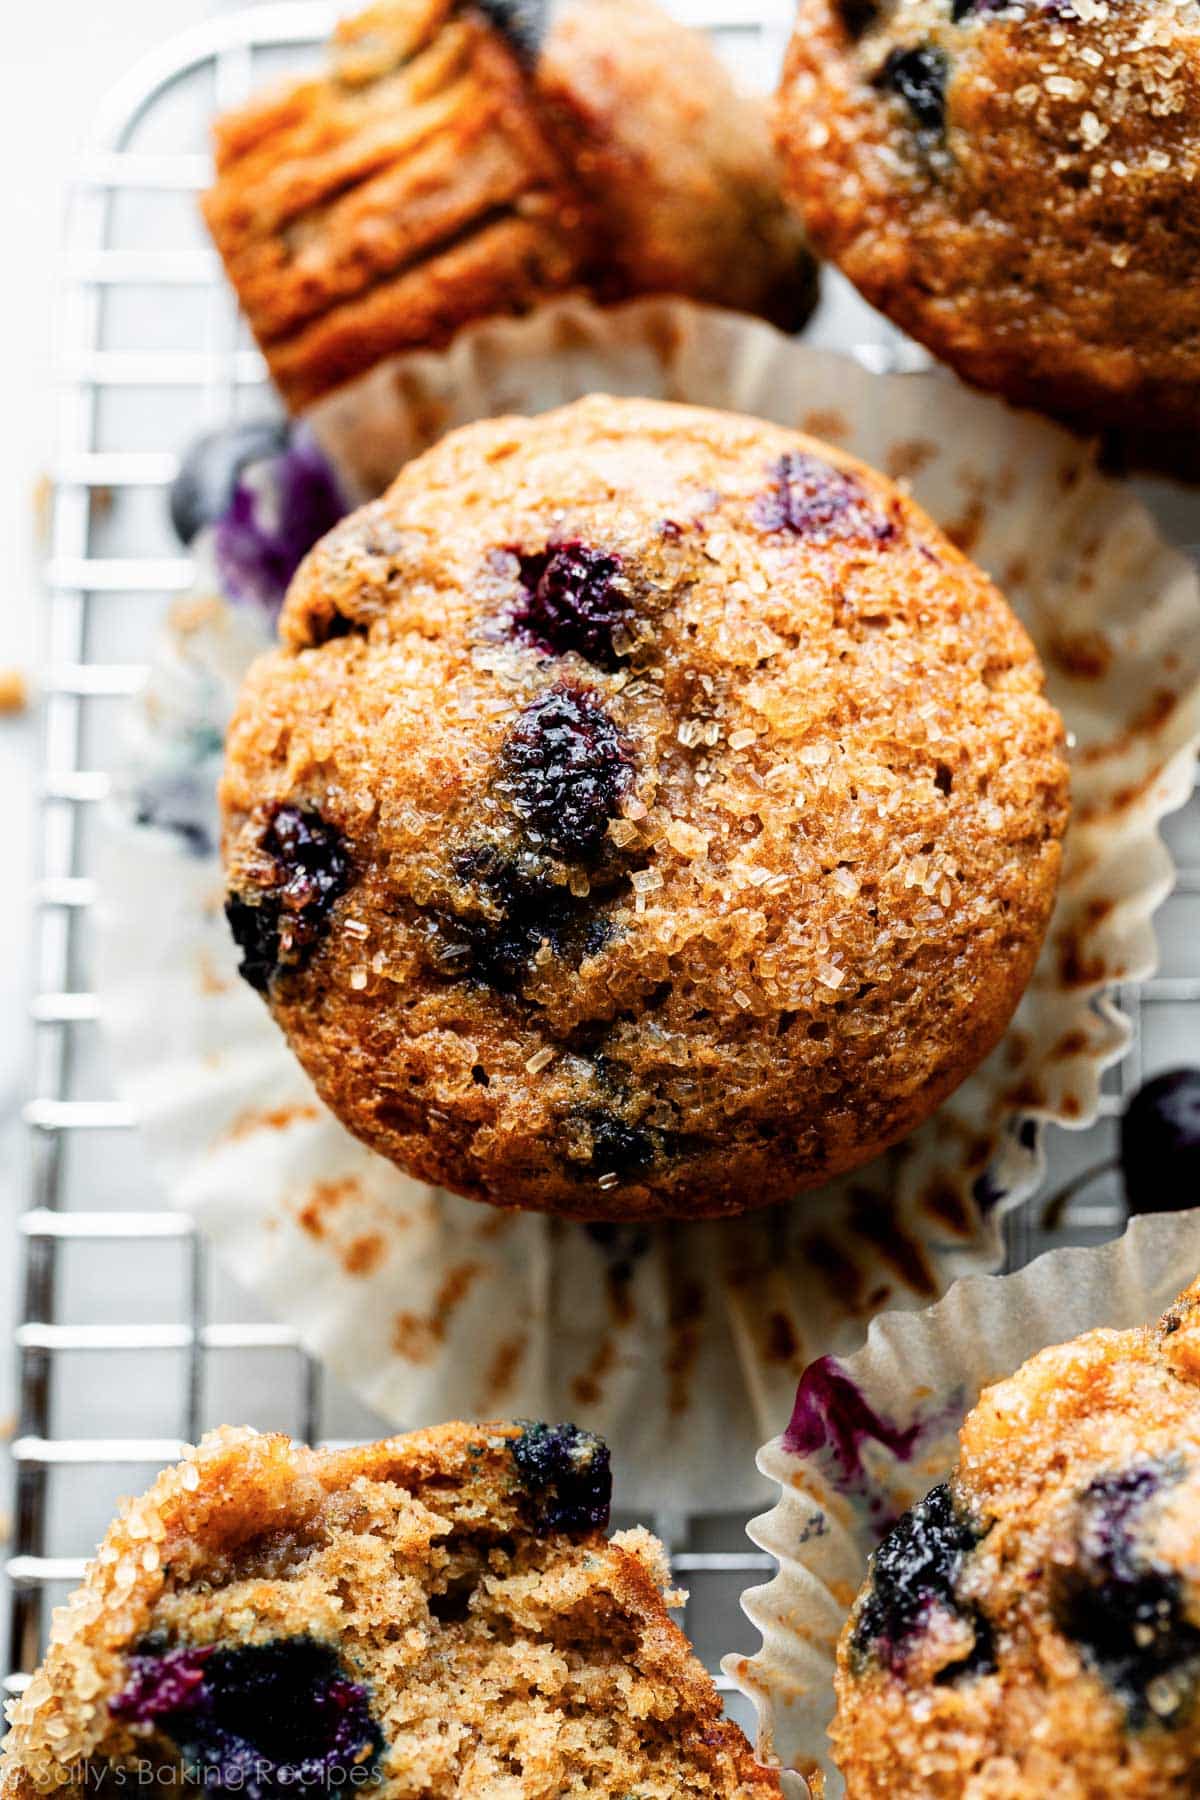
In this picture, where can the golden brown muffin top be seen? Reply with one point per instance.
(1016, 186)
(1033, 1627)
(694, 803)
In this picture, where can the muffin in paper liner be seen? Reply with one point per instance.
(872, 1433)
(681, 1343)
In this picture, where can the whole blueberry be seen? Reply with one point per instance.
(919, 77)
(209, 471)
(565, 769)
(1160, 1144)
(278, 923)
(567, 1476)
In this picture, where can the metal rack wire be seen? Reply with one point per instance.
(130, 1341)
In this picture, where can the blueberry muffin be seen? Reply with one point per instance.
(429, 178)
(1032, 1628)
(648, 812)
(430, 1618)
(1015, 185)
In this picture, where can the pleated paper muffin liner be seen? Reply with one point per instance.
(873, 1433)
(682, 1343)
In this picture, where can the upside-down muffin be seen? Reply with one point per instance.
(1032, 1628)
(435, 1617)
(647, 812)
(461, 160)
(1015, 185)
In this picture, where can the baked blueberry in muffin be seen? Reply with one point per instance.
(647, 812)
(1033, 1626)
(1015, 185)
(428, 1618)
(457, 161)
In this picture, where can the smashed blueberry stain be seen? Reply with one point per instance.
(565, 768)
(915, 1571)
(811, 499)
(263, 1719)
(919, 77)
(831, 1413)
(520, 910)
(1125, 1613)
(573, 599)
(279, 923)
(567, 1476)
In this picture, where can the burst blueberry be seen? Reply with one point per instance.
(616, 1148)
(1124, 1611)
(567, 1476)
(565, 768)
(519, 909)
(572, 599)
(811, 499)
(279, 923)
(916, 1570)
(919, 77)
(265, 1720)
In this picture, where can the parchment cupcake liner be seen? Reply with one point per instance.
(871, 1434)
(682, 1343)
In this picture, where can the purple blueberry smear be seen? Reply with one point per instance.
(833, 1414)
(919, 77)
(264, 1719)
(567, 1475)
(1160, 1144)
(280, 924)
(566, 768)
(573, 600)
(1125, 1612)
(915, 1570)
(810, 498)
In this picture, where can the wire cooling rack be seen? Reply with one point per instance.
(130, 1341)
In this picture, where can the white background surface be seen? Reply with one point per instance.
(59, 59)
